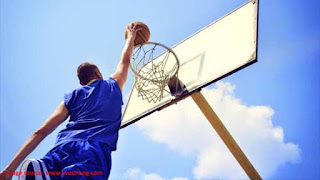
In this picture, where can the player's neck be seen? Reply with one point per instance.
(92, 81)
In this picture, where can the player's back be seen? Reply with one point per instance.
(95, 113)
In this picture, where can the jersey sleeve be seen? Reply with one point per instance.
(116, 87)
(68, 99)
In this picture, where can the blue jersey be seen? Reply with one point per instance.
(95, 113)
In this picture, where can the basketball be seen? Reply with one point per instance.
(143, 35)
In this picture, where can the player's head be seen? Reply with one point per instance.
(88, 71)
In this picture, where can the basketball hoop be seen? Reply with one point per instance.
(154, 65)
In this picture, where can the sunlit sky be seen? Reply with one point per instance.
(271, 107)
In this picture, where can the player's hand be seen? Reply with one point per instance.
(132, 30)
(3, 176)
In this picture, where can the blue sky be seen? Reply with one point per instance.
(43, 42)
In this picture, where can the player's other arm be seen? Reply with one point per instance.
(60, 114)
(121, 73)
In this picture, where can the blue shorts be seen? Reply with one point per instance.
(77, 160)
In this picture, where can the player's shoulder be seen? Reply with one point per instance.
(113, 82)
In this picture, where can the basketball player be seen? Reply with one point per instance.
(83, 149)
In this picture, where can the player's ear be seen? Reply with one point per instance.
(98, 74)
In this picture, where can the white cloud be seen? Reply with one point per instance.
(138, 174)
(185, 130)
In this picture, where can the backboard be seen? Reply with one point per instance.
(216, 51)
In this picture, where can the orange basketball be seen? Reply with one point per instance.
(143, 35)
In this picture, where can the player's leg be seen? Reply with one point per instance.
(79, 157)
(33, 169)
(72, 158)
(87, 160)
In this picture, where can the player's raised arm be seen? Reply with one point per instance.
(121, 73)
(60, 114)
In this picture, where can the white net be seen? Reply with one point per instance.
(154, 65)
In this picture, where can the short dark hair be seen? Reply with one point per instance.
(86, 72)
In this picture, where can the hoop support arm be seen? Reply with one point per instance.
(225, 135)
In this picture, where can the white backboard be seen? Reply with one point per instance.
(216, 51)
